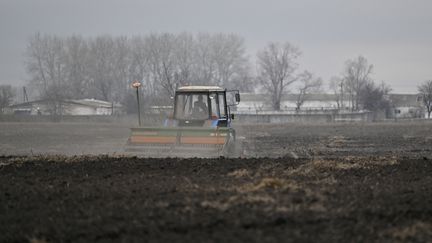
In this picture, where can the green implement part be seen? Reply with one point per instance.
(180, 141)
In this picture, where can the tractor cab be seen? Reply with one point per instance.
(202, 106)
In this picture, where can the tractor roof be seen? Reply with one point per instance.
(200, 88)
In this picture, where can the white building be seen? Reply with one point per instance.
(402, 105)
(407, 106)
(261, 102)
(67, 107)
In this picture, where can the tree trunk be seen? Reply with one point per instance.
(276, 105)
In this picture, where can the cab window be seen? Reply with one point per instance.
(222, 105)
(214, 106)
(192, 106)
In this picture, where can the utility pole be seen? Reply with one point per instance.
(25, 97)
(136, 84)
(342, 93)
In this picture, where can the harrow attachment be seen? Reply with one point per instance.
(181, 141)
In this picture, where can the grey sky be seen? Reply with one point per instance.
(394, 35)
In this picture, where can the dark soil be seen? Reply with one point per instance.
(413, 139)
(334, 191)
(215, 200)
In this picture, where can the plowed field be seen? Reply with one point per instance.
(308, 183)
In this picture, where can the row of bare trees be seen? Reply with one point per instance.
(103, 67)
(278, 69)
(355, 89)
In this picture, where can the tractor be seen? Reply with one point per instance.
(199, 127)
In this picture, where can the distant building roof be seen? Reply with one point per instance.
(398, 100)
(286, 97)
(93, 103)
(84, 102)
(405, 100)
(200, 88)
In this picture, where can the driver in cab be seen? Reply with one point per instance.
(200, 109)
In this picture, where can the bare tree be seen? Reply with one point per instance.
(356, 75)
(47, 67)
(276, 66)
(307, 84)
(76, 60)
(184, 58)
(373, 97)
(121, 67)
(138, 58)
(231, 62)
(6, 97)
(337, 86)
(203, 59)
(220, 59)
(425, 90)
(162, 68)
(102, 67)
(169, 62)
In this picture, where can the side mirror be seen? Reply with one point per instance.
(232, 116)
(237, 97)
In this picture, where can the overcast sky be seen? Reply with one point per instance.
(394, 35)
